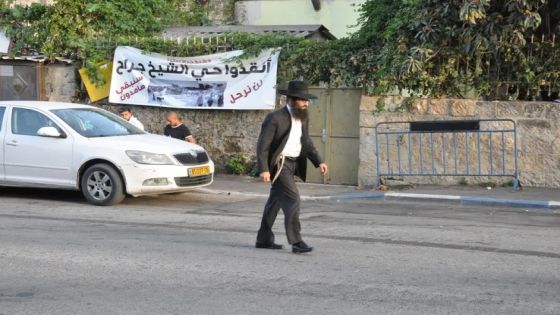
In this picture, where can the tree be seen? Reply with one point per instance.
(450, 47)
(78, 29)
(63, 28)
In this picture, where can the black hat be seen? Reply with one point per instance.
(297, 89)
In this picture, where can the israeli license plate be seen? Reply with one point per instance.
(199, 171)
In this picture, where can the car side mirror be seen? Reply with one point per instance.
(50, 132)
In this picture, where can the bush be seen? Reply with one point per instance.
(456, 48)
(496, 49)
(237, 164)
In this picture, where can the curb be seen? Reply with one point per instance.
(254, 194)
(463, 200)
(380, 195)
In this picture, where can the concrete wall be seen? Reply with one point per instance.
(538, 136)
(339, 16)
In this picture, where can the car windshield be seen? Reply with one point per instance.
(92, 122)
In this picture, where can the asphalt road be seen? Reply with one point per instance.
(194, 254)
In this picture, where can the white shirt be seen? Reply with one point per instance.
(293, 145)
(133, 120)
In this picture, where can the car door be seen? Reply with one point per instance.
(2, 135)
(33, 159)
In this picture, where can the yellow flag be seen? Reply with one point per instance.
(98, 92)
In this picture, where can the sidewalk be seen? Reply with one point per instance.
(531, 198)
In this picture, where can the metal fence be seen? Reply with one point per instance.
(486, 147)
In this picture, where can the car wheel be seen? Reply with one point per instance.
(102, 185)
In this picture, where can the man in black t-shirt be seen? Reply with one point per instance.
(176, 129)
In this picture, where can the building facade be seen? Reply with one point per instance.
(338, 16)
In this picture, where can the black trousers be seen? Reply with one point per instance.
(283, 195)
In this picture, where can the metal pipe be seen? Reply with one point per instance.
(448, 170)
(443, 157)
(491, 157)
(432, 151)
(388, 155)
(478, 151)
(455, 149)
(467, 150)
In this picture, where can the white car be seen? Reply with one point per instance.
(80, 147)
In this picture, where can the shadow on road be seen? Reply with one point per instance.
(191, 198)
(42, 194)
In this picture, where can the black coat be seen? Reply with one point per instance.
(272, 140)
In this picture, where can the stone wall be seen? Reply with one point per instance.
(538, 137)
(221, 132)
(221, 12)
(60, 82)
(226, 132)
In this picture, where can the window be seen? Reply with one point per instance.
(2, 110)
(28, 122)
(91, 123)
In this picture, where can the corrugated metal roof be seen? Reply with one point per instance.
(316, 31)
(35, 58)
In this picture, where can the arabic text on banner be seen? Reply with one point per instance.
(212, 81)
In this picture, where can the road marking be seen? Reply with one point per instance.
(422, 196)
(554, 204)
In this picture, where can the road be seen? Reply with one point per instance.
(194, 254)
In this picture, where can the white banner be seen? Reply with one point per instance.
(4, 43)
(212, 81)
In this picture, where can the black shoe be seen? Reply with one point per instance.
(268, 245)
(301, 247)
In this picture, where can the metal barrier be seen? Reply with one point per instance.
(486, 147)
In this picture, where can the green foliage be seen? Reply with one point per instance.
(507, 184)
(379, 105)
(488, 48)
(406, 104)
(236, 163)
(63, 28)
(69, 26)
(89, 30)
(442, 47)
(15, 22)
(188, 13)
(229, 9)
(487, 184)
(463, 181)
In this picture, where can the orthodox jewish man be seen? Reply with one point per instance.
(283, 148)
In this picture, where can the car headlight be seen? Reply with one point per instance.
(142, 157)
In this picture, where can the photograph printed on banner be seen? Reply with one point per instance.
(186, 94)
